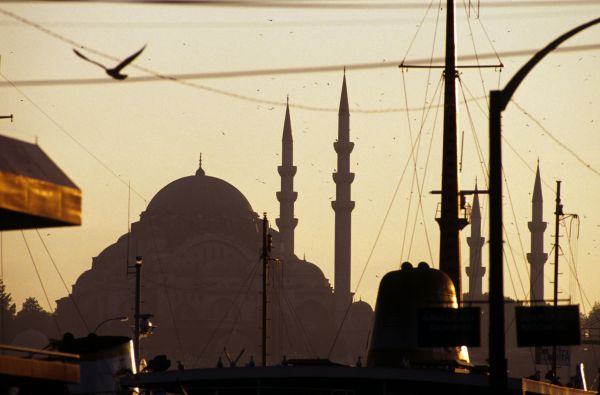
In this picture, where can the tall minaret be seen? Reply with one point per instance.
(537, 257)
(286, 221)
(475, 271)
(342, 205)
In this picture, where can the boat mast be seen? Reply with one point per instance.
(266, 247)
(449, 221)
(557, 213)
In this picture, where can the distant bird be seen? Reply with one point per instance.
(115, 72)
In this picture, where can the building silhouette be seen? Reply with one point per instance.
(200, 240)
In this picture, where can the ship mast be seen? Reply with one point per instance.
(449, 221)
(557, 214)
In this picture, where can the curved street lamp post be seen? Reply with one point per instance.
(122, 319)
(498, 101)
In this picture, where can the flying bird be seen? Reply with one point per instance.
(115, 72)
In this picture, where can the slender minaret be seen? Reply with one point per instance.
(537, 257)
(342, 205)
(475, 271)
(286, 221)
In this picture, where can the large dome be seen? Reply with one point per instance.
(200, 194)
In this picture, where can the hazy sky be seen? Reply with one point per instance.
(104, 134)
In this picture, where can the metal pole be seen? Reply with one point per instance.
(449, 222)
(136, 335)
(265, 261)
(498, 102)
(557, 213)
(498, 365)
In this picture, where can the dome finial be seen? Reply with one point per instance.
(200, 171)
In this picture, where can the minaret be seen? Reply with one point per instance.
(475, 271)
(286, 197)
(537, 257)
(342, 205)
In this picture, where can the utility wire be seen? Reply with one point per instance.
(556, 140)
(163, 275)
(42, 285)
(346, 5)
(71, 297)
(156, 76)
(383, 222)
(75, 140)
(251, 273)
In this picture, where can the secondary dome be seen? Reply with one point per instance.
(200, 194)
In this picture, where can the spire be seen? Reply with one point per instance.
(475, 270)
(200, 171)
(344, 108)
(287, 124)
(343, 206)
(286, 196)
(537, 186)
(475, 210)
(537, 257)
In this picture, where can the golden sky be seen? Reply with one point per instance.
(106, 134)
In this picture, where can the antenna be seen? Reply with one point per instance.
(557, 214)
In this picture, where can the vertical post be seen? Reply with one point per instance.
(498, 375)
(449, 222)
(265, 261)
(136, 334)
(557, 213)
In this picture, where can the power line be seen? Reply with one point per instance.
(556, 140)
(75, 140)
(71, 297)
(156, 76)
(342, 5)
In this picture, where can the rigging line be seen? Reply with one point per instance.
(69, 135)
(491, 42)
(477, 57)
(583, 295)
(42, 284)
(298, 322)
(499, 79)
(556, 140)
(412, 157)
(362, 274)
(504, 138)
(412, 41)
(473, 132)
(507, 265)
(439, 89)
(514, 262)
(516, 222)
(531, 169)
(251, 273)
(71, 297)
(243, 301)
(162, 273)
(430, 70)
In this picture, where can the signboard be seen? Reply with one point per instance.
(448, 327)
(543, 356)
(547, 326)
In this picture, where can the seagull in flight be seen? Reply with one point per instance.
(115, 72)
